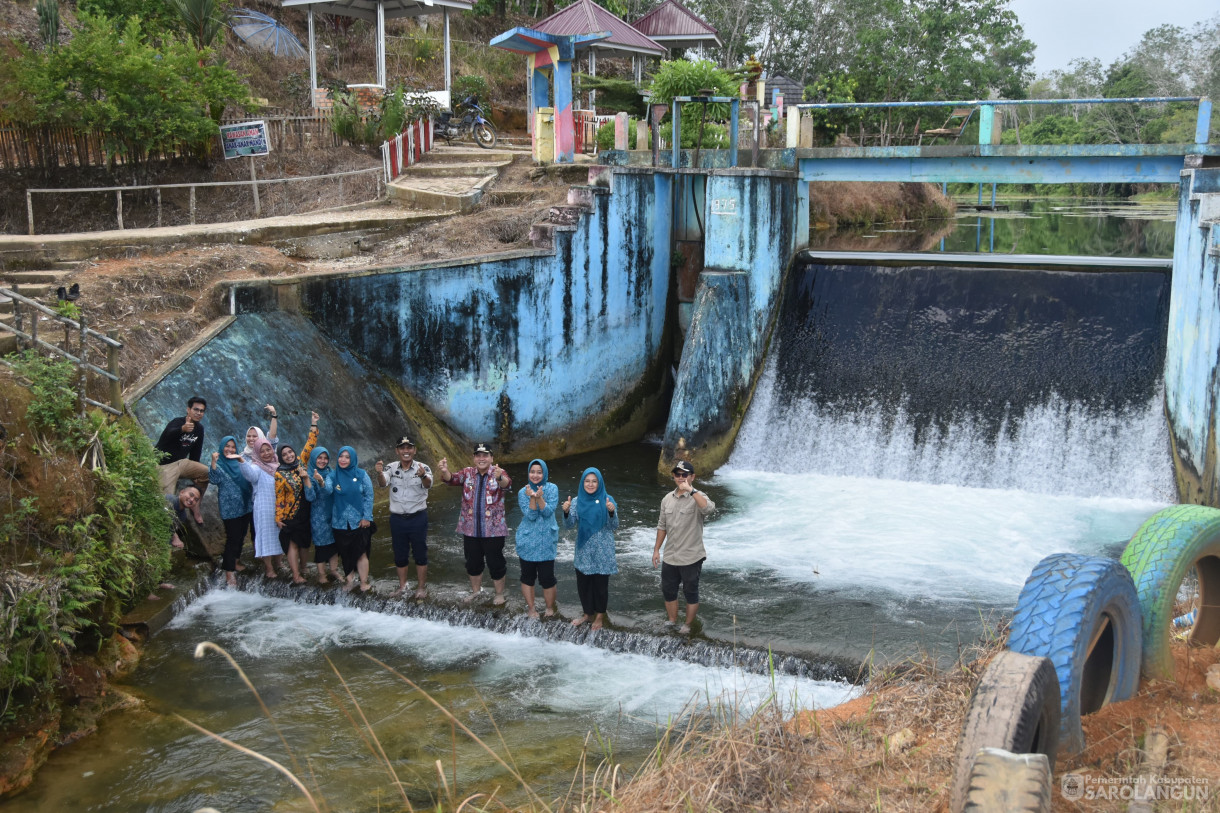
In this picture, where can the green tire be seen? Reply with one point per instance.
(1165, 547)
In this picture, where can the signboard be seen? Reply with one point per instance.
(247, 138)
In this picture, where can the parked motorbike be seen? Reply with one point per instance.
(467, 118)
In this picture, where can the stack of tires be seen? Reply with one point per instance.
(1083, 631)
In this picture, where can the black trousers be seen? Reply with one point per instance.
(235, 538)
(480, 549)
(352, 543)
(594, 590)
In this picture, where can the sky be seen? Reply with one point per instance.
(1064, 30)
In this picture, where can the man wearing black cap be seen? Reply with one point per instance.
(680, 530)
(481, 522)
(408, 481)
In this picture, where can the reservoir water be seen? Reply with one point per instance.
(875, 504)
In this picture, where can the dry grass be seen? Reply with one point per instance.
(890, 749)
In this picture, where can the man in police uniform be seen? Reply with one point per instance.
(408, 481)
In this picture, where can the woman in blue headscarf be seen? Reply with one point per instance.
(351, 517)
(597, 517)
(236, 499)
(538, 537)
(322, 500)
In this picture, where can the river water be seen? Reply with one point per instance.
(837, 538)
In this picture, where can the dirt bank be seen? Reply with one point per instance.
(844, 204)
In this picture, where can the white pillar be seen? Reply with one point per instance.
(445, 14)
(593, 72)
(793, 135)
(381, 43)
(313, 60)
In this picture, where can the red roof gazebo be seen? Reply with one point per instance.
(675, 26)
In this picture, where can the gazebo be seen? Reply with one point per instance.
(587, 17)
(675, 26)
(376, 11)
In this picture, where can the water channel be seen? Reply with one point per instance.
(853, 522)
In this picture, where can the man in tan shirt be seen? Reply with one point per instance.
(680, 530)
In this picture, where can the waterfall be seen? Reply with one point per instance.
(1035, 380)
(662, 647)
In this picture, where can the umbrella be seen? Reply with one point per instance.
(265, 32)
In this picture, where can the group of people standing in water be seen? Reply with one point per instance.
(291, 502)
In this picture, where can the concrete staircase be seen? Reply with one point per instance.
(563, 218)
(451, 179)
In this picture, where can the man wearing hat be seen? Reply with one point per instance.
(680, 530)
(481, 523)
(408, 481)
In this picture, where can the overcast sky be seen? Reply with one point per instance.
(1103, 29)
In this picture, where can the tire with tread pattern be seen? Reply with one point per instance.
(485, 134)
(1015, 706)
(1003, 782)
(1083, 614)
(1158, 556)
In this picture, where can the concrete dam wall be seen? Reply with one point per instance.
(544, 353)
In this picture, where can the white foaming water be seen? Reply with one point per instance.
(1055, 448)
(915, 540)
(560, 677)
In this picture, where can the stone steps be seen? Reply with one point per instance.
(565, 217)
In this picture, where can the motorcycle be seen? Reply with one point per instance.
(467, 118)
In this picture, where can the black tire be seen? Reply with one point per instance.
(1015, 706)
(485, 135)
(1002, 782)
(1083, 614)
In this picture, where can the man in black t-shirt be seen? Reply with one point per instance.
(181, 444)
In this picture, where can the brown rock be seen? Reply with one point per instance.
(126, 656)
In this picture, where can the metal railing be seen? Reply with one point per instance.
(253, 183)
(987, 108)
(73, 329)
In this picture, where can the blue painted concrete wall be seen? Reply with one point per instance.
(539, 352)
(1192, 362)
(750, 238)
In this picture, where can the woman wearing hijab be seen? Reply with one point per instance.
(597, 518)
(321, 495)
(351, 517)
(236, 499)
(260, 473)
(291, 505)
(254, 435)
(538, 536)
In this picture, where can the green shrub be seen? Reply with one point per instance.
(76, 576)
(605, 136)
(470, 85)
(682, 78)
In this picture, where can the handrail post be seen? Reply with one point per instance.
(192, 204)
(1202, 126)
(17, 320)
(734, 109)
(258, 209)
(158, 207)
(676, 121)
(112, 367)
(118, 195)
(82, 379)
(29, 209)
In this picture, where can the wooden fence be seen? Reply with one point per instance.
(41, 147)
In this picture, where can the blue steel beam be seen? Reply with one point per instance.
(997, 169)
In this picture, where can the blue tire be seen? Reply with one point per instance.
(1081, 612)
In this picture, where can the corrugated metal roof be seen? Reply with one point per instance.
(587, 17)
(367, 9)
(673, 21)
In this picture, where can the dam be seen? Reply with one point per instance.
(892, 442)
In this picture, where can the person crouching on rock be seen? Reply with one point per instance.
(481, 522)
(235, 497)
(538, 537)
(352, 517)
(596, 518)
